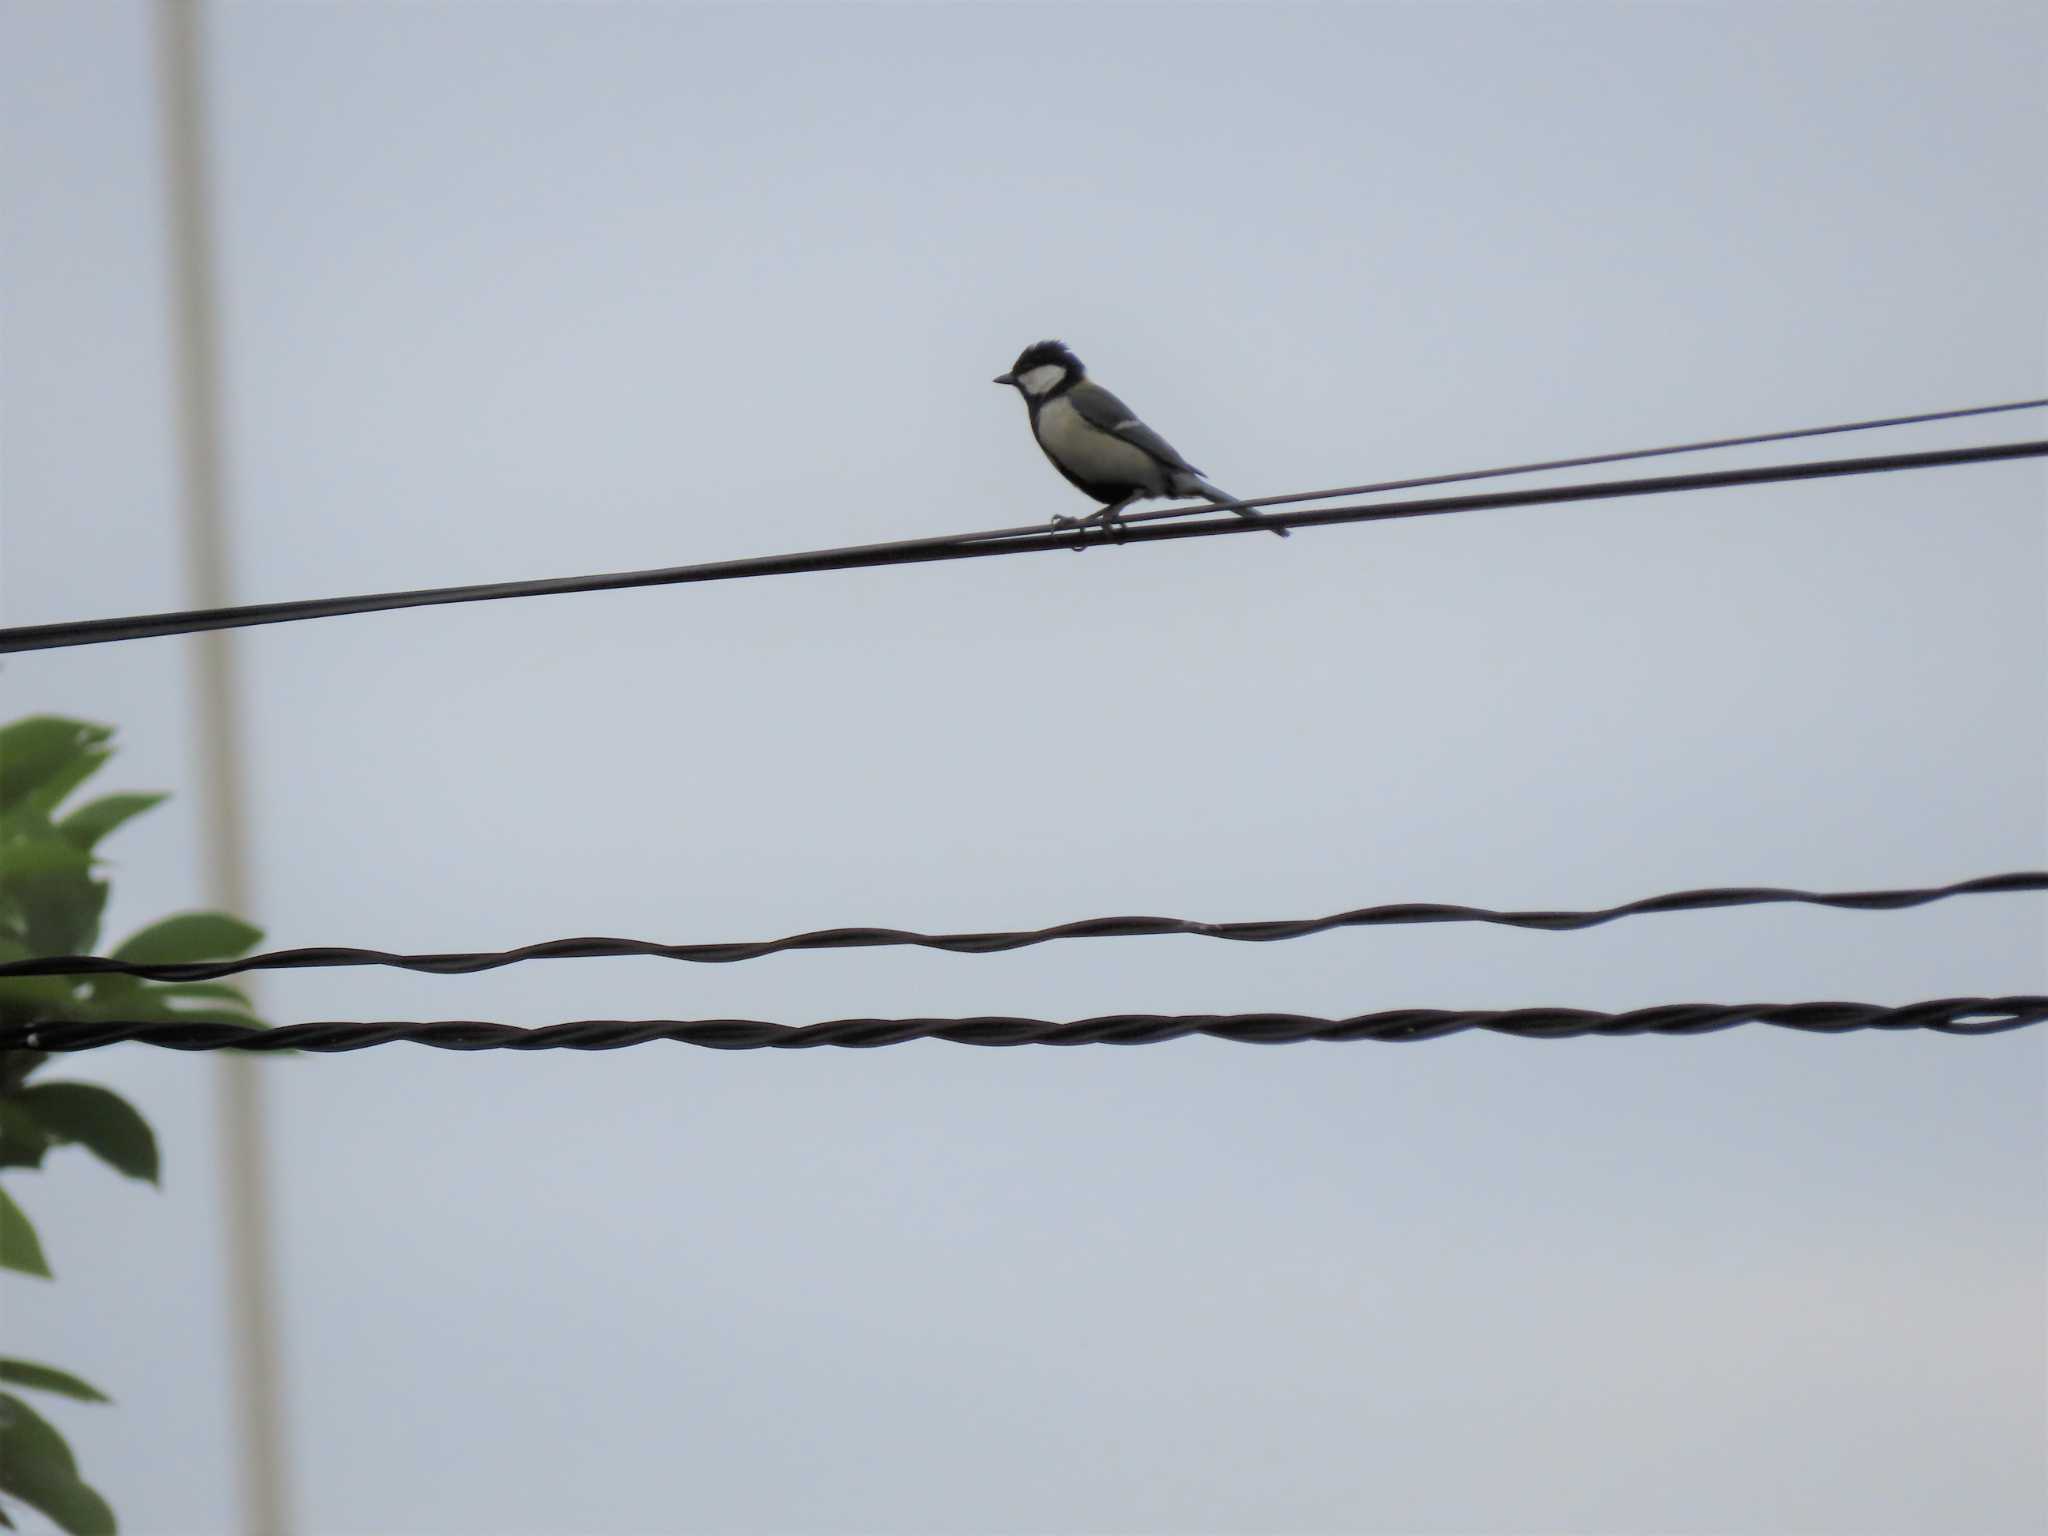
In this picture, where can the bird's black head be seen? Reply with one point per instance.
(1043, 368)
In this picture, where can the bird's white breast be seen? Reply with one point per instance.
(1092, 454)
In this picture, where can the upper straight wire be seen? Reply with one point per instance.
(1584, 461)
(1029, 540)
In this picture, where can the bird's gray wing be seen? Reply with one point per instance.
(1099, 408)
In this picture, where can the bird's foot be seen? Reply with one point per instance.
(1112, 520)
(1080, 533)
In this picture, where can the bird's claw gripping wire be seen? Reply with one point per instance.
(1111, 518)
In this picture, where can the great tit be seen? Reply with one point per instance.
(1096, 442)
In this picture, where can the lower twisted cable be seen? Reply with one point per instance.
(1951, 1015)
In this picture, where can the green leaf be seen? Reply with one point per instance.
(189, 936)
(15, 1066)
(37, 997)
(157, 1005)
(19, 1247)
(38, 750)
(99, 1120)
(105, 989)
(47, 1378)
(217, 991)
(50, 882)
(42, 801)
(43, 856)
(105, 1006)
(36, 1467)
(84, 827)
(23, 1138)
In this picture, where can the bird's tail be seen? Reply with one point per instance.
(1200, 487)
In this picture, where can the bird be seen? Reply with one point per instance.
(1097, 441)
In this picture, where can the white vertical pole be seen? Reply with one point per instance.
(196, 357)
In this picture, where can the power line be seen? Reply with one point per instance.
(1260, 932)
(1951, 1015)
(974, 546)
(1581, 462)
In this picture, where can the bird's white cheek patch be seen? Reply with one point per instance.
(1039, 380)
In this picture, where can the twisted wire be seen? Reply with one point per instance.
(463, 963)
(1953, 1015)
(977, 546)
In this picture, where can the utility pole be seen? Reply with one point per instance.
(217, 729)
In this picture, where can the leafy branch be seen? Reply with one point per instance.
(51, 902)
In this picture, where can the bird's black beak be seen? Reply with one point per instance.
(1004, 378)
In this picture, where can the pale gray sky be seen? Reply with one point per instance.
(522, 290)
